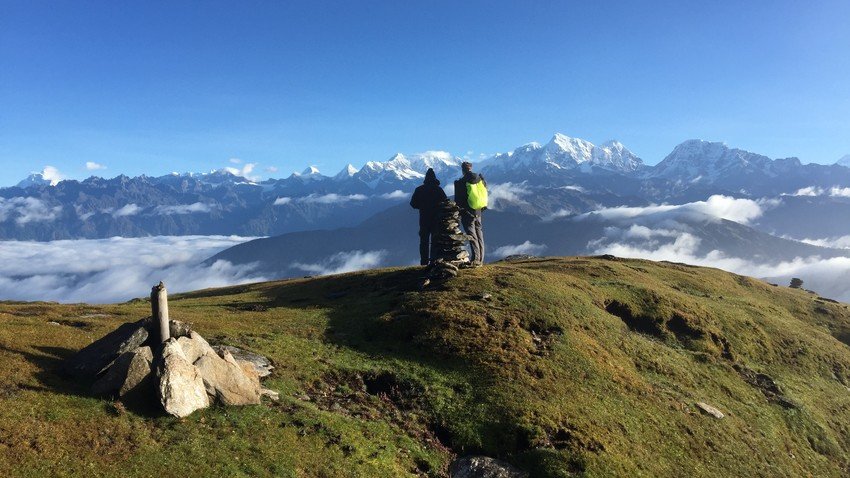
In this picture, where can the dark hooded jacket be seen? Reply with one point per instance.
(427, 197)
(461, 197)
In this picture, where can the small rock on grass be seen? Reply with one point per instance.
(270, 394)
(484, 467)
(714, 412)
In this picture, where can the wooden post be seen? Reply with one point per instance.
(159, 310)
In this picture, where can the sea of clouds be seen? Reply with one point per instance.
(664, 233)
(115, 269)
(118, 269)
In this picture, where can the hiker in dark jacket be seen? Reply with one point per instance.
(426, 198)
(469, 217)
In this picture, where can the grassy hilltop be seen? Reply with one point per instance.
(571, 367)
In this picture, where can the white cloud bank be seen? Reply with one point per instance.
(183, 208)
(341, 262)
(507, 193)
(834, 191)
(116, 269)
(829, 277)
(841, 242)
(27, 209)
(331, 198)
(397, 194)
(719, 206)
(92, 166)
(127, 210)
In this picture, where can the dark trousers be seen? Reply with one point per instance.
(472, 225)
(425, 245)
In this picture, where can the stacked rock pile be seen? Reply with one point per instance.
(183, 374)
(448, 251)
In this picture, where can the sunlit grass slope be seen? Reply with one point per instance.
(563, 367)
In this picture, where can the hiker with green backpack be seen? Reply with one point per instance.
(471, 198)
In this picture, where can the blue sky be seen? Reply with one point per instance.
(154, 87)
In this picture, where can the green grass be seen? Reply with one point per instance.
(574, 367)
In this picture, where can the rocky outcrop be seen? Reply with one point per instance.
(184, 374)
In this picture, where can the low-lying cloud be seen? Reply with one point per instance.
(341, 262)
(397, 194)
(27, 209)
(183, 208)
(841, 242)
(116, 269)
(331, 198)
(717, 206)
(830, 277)
(834, 191)
(508, 193)
(127, 210)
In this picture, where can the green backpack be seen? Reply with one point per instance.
(476, 195)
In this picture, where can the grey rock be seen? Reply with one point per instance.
(179, 329)
(270, 394)
(710, 410)
(110, 382)
(229, 382)
(93, 359)
(262, 365)
(138, 382)
(181, 387)
(484, 467)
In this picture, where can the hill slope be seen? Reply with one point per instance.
(580, 366)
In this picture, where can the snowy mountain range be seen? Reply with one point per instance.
(563, 153)
(565, 176)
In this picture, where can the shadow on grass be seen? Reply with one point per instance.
(382, 315)
(51, 378)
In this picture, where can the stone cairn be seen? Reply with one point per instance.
(162, 360)
(448, 250)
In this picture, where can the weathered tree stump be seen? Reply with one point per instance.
(159, 311)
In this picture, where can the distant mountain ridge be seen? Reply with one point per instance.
(564, 173)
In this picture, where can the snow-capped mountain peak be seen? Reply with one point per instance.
(35, 179)
(439, 161)
(614, 155)
(706, 160)
(49, 176)
(310, 171)
(578, 150)
(347, 172)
